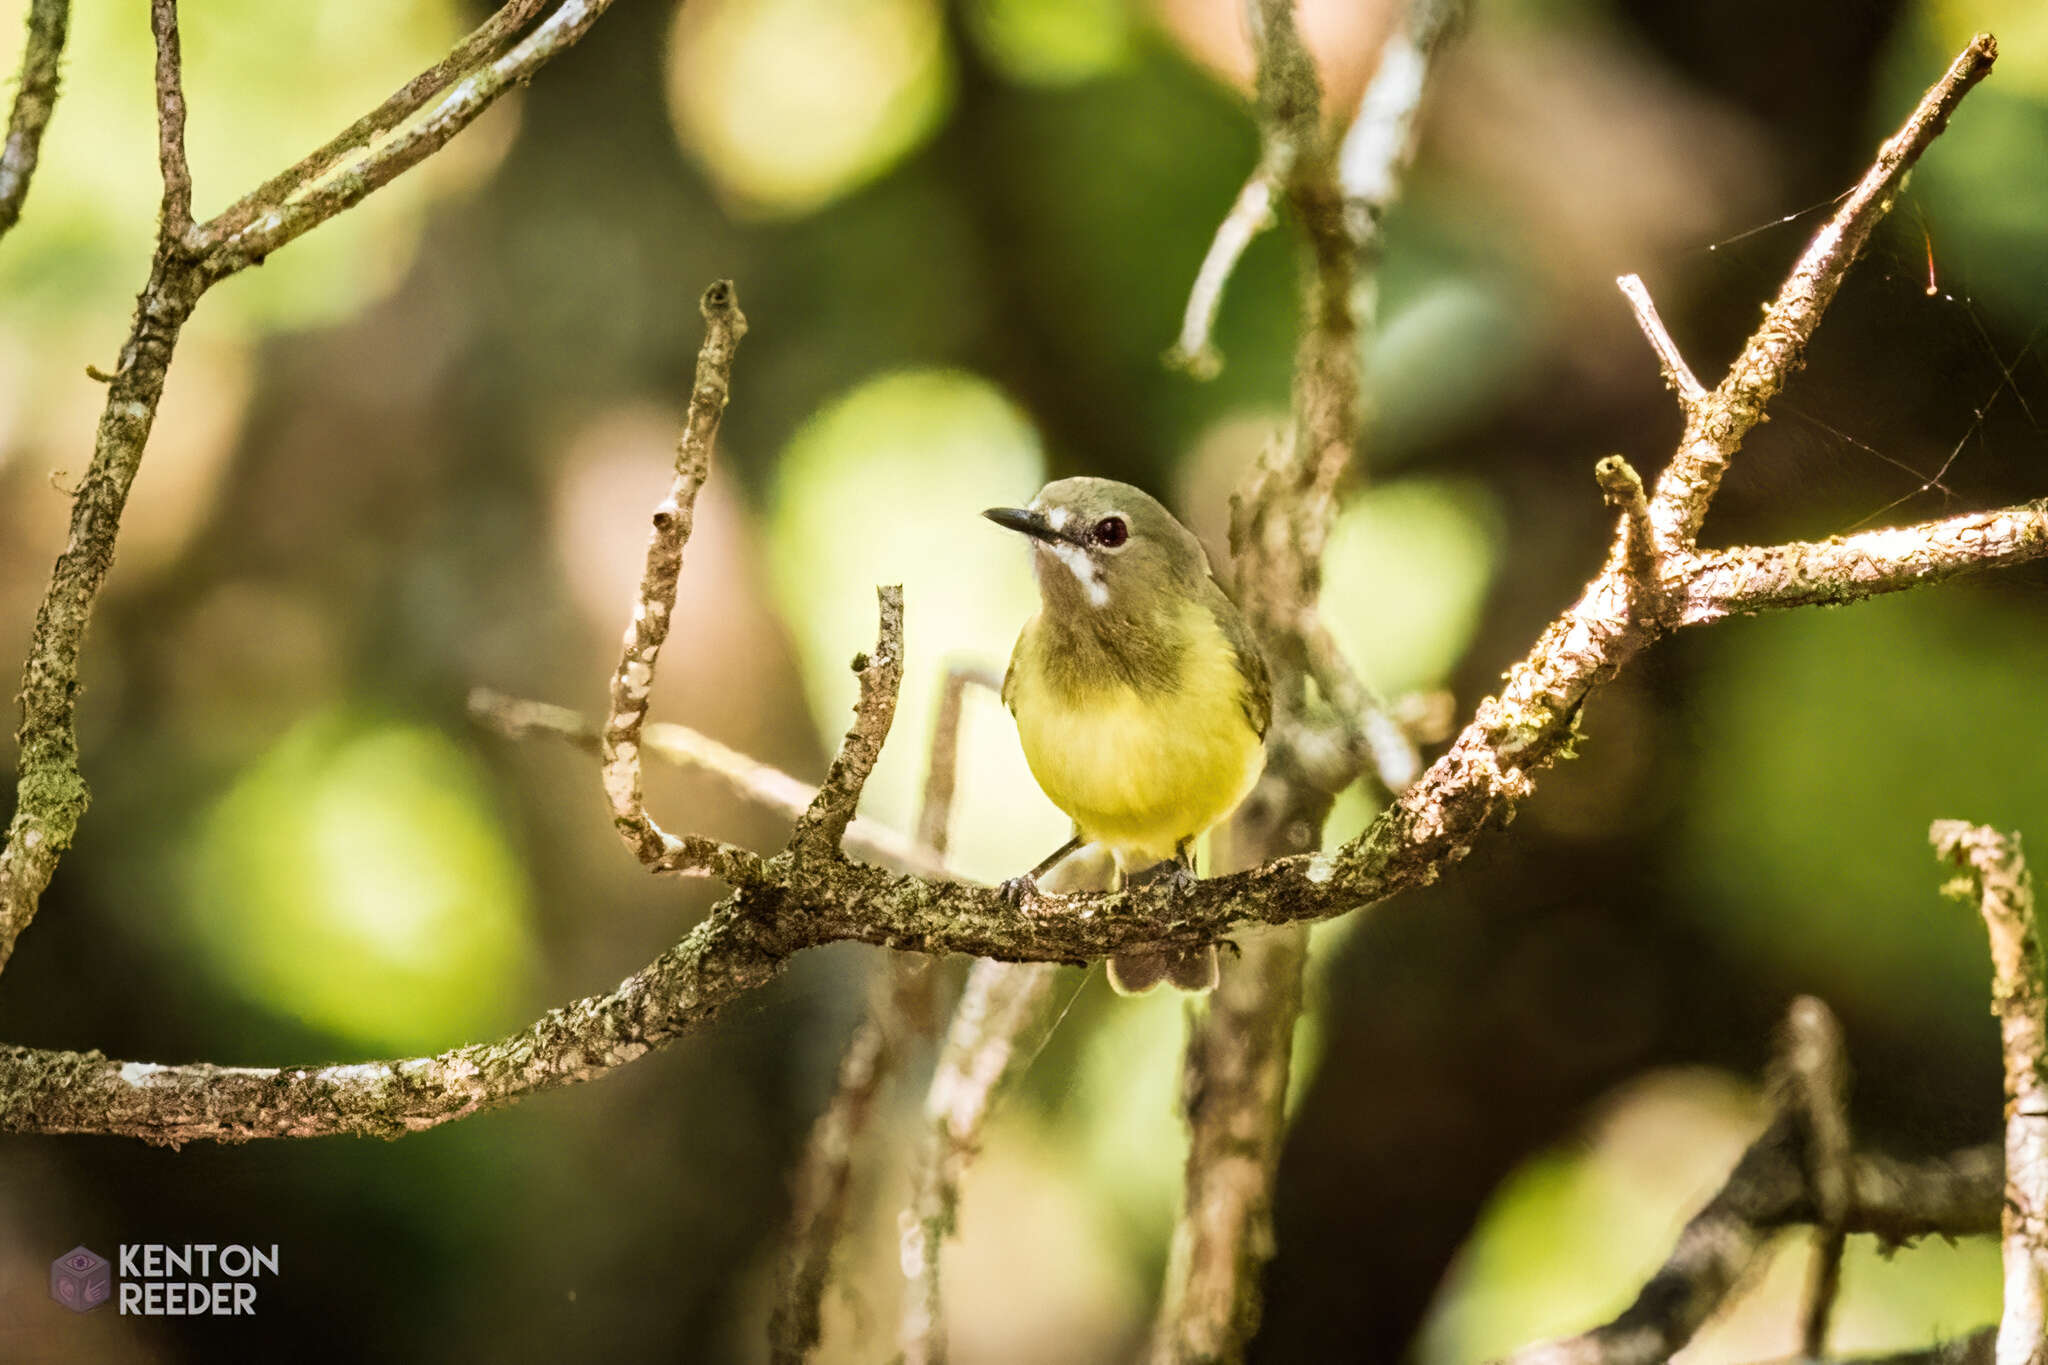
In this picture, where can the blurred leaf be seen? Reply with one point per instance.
(1054, 42)
(886, 485)
(1406, 577)
(355, 878)
(791, 103)
(1827, 742)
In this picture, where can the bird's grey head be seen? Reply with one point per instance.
(1104, 546)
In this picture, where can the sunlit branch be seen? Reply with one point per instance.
(1994, 875)
(230, 246)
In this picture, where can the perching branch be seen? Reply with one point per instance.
(50, 791)
(1994, 875)
(35, 99)
(1772, 1188)
(745, 940)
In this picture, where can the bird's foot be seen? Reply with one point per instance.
(1022, 894)
(1176, 876)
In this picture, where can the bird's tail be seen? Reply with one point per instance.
(1134, 973)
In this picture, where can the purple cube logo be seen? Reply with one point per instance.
(81, 1280)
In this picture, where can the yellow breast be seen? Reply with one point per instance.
(1140, 771)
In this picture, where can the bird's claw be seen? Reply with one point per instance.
(1176, 876)
(1022, 893)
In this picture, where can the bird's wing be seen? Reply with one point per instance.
(1257, 696)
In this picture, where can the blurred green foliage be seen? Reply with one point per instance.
(356, 878)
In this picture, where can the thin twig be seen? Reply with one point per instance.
(821, 827)
(479, 46)
(1994, 876)
(1623, 489)
(176, 217)
(1678, 375)
(229, 246)
(749, 778)
(1251, 213)
(35, 99)
(50, 791)
(654, 605)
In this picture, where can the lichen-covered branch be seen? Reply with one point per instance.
(823, 824)
(481, 45)
(653, 607)
(50, 791)
(35, 99)
(1751, 578)
(1240, 1046)
(801, 903)
(308, 202)
(1773, 1187)
(1994, 876)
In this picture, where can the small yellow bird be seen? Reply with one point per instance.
(1140, 697)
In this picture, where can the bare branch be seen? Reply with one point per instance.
(1678, 375)
(823, 1179)
(1995, 876)
(1753, 578)
(747, 777)
(176, 216)
(481, 45)
(942, 766)
(308, 203)
(1380, 744)
(1816, 1080)
(50, 791)
(1772, 1188)
(1778, 347)
(35, 100)
(1251, 213)
(822, 826)
(619, 741)
(999, 1005)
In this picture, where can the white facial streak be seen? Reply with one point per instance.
(1085, 570)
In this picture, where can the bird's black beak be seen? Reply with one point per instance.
(1025, 521)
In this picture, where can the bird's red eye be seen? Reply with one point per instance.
(1111, 532)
